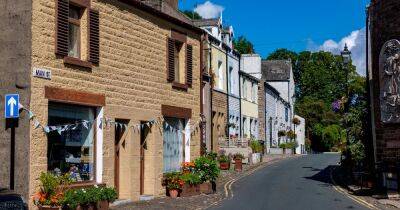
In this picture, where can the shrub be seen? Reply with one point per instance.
(173, 181)
(51, 189)
(207, 169)
(211, 155)
(191, 178)
(255, 146)
(84, 197)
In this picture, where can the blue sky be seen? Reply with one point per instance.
(294, 24)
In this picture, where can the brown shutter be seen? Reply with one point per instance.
(94, 52)
(62, 14)
(189, 65)
(171, 60)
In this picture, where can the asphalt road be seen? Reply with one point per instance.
(301, 183)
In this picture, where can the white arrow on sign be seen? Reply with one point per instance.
(12, 102)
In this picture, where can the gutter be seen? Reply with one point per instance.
(160, 14)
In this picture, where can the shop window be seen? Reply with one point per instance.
(173, 144)
(72, 151)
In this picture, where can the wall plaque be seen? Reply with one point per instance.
(389, 82)
(41, 73)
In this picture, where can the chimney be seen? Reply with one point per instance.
(172, 3)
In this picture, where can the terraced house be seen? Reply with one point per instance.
(110, 90)
(217, 65)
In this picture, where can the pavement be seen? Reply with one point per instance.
(301, 183)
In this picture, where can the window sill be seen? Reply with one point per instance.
(77, 62)
(180, 86)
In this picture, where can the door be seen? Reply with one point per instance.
(120, 133)
(144, 131)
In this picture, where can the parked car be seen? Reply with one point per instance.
(11, 201)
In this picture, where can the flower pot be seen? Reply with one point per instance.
(224, 166)
(102, 205)
(190, 190)
(49, 207)
(238, 165)
(86, 207)
(206, 188)
(173, 193)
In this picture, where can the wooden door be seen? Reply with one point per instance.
(144, 131)
(119, 135)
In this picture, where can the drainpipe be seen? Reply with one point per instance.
(202, 85)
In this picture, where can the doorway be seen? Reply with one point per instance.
(119, 142)
(144, 132)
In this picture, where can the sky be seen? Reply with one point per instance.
(293, 24)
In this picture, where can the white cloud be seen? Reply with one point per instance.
(209, 10)
(356, 43)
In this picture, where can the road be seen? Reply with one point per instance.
(300, 183)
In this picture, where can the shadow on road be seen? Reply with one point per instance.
(323, 175)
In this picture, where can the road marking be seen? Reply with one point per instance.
(352, 197)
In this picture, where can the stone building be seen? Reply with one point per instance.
(217, 64)
(249, 106)
(110, 89)
(383, 46)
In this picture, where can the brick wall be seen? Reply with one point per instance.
(385, 26)
(219, 118)
(132, 75)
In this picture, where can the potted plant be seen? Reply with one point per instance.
(224, 162)
(256, 148)
(51, 191)
(89, 198)
(173, 183)
(208, 171)
(191, 184)
(238, 161)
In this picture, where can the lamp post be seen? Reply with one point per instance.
(346, 56)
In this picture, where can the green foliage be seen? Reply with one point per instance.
(320, 80)
(291, 135)
(288, 145)
(207, 169)
(224, 159)
(51, 189)
(211, 155)
(281, 133)
(256, 146)
(191, 178)
(173, 180)
(192, 15)
(243, 46)
(238, 156)
(357, 151)
(84, 197)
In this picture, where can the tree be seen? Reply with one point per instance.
(243, 46)
(192, 15)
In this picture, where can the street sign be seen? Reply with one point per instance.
(11, 106)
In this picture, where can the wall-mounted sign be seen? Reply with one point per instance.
(41, 73)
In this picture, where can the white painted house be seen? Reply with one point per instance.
(301, 135)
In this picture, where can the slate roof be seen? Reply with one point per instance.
(164, 7)
(276, 70)
(207, 22)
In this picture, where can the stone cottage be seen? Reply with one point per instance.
(109, 92)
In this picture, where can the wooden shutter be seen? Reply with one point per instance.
(171, 60)
(62, 14)
(94, 52)
(189, 65)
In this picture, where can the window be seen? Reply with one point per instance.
(173, 139)
(231, 82)
(179, 61)
(72, 151)
(74, 32)
(220, 76)
(77, 33)
(286, 114)
(179, 75)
